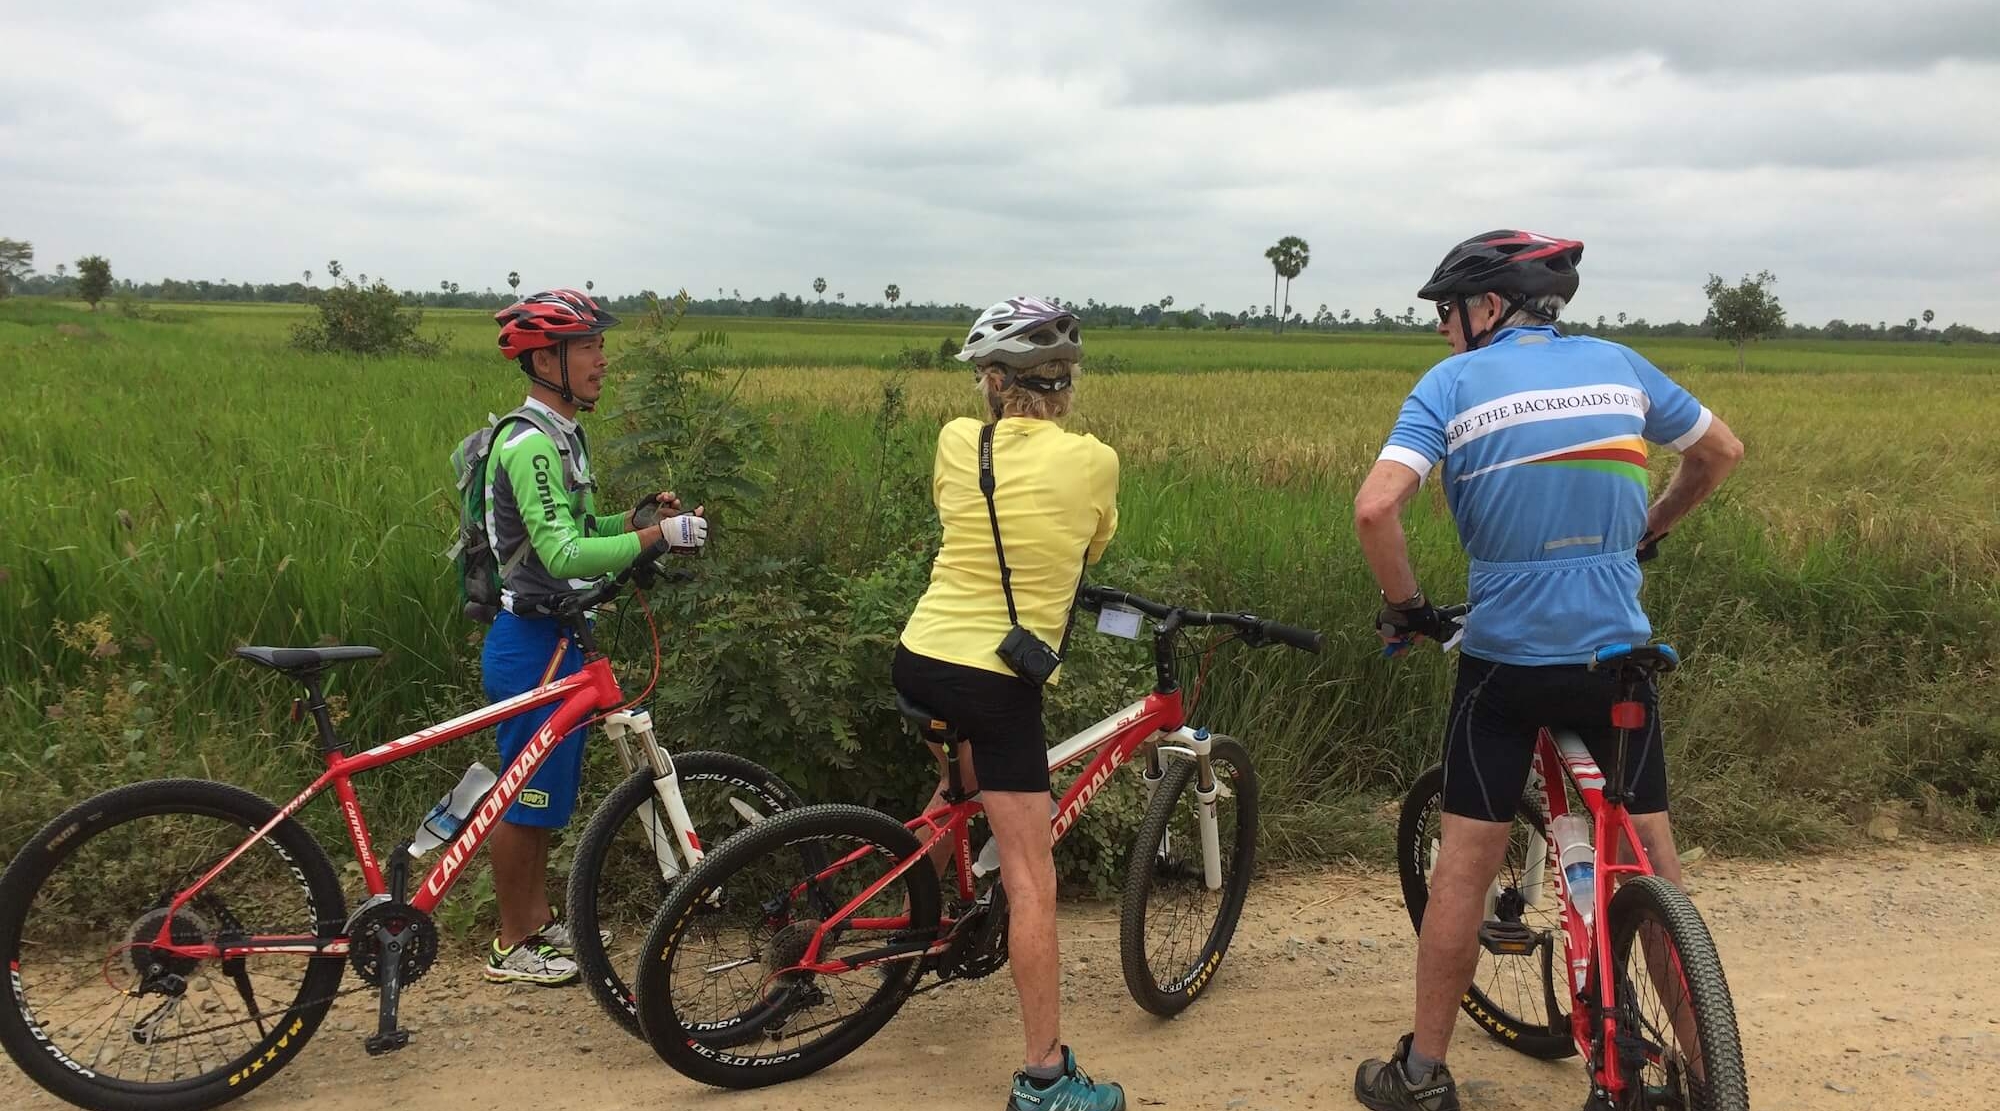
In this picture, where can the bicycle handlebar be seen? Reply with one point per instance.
(1255, 629)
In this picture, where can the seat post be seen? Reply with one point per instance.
(954, 784)
(322, 714)
(1627, 714)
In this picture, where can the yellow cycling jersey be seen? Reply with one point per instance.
(1056, 494)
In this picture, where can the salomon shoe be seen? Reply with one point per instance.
(534, 961)
(1072, 1091)
(1386, 1085)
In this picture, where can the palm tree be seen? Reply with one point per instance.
(1928, 314)
(819, 288)
(1621, 320)
(307, 275)
(514, 280)
(333, 269)
(589, 286)
(444, 287)
(454, 289)
(1288, 257)
(892, 294)
(841, 297)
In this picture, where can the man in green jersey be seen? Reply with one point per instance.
(542, 522)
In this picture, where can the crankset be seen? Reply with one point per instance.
(978, 944)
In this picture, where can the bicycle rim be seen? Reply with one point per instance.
(1510, 996)
(126, 1020)
(619, 883)
(1675, 1024)
(724, 1002)
(1174, 928)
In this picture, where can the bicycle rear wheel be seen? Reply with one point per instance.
(1675, 1026)
(1520, 1000)
(617, 884)
(1173, 931)
(101, 1019)
(720, 999)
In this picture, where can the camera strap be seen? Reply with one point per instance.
(1000, 550)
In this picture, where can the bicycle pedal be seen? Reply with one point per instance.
(1508, 939)
(378, 1044)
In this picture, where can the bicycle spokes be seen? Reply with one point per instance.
(770, 958)
(104, 991)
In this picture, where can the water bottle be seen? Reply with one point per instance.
(989, 855)
(448, 816)
(1579, 862)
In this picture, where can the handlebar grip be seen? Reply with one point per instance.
(1306, 640)
(1648, 548)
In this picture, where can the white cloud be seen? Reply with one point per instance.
(1119, 151)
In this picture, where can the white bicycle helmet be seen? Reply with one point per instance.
(1022, 332)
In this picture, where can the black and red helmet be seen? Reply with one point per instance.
(1518, 265)
(548, 318)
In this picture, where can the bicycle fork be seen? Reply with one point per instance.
(1193, 744)
(639, 748)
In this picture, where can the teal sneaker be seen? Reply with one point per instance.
(1072, 1091)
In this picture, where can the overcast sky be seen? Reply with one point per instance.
(1108, 149)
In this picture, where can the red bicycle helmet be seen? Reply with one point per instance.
(548, 318)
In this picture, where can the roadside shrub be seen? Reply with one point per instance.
(913, 358)
(364, 320)
(948, 349)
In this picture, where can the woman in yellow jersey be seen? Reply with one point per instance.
(1055, 507)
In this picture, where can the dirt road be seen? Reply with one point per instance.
(1864, 982)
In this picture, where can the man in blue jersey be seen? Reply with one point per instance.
(1540, 441)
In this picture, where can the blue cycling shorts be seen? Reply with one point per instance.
(517, 653)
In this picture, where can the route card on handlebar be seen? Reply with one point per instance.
(1119, 621)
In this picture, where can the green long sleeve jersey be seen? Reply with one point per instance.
(532, 499)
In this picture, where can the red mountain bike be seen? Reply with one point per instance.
(171, 945)
(795, 941)
(1632, 980)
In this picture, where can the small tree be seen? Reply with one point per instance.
(364, 320)
(93, 279)
(1744, 312)
(17, 261)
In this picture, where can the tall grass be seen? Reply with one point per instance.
(178, 487)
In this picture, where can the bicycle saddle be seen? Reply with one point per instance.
(298, 662)
(1653, 659)
(930, 724)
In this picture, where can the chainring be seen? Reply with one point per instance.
(978, 946)
(364, 948)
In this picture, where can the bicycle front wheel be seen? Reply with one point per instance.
(626, 861)
(1173, 926)
(1675, 1026)
(104, 1020)
(722, 996)
(1519, 997)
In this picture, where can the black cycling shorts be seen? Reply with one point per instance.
(1000, 715)
(1496, 711)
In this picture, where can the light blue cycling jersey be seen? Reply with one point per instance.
(1543, 439)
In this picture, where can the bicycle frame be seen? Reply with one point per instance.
(1585, 945)
(1115, 739)
(576, 696)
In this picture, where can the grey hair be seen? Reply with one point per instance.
(1020, 401)
(1535, 310)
